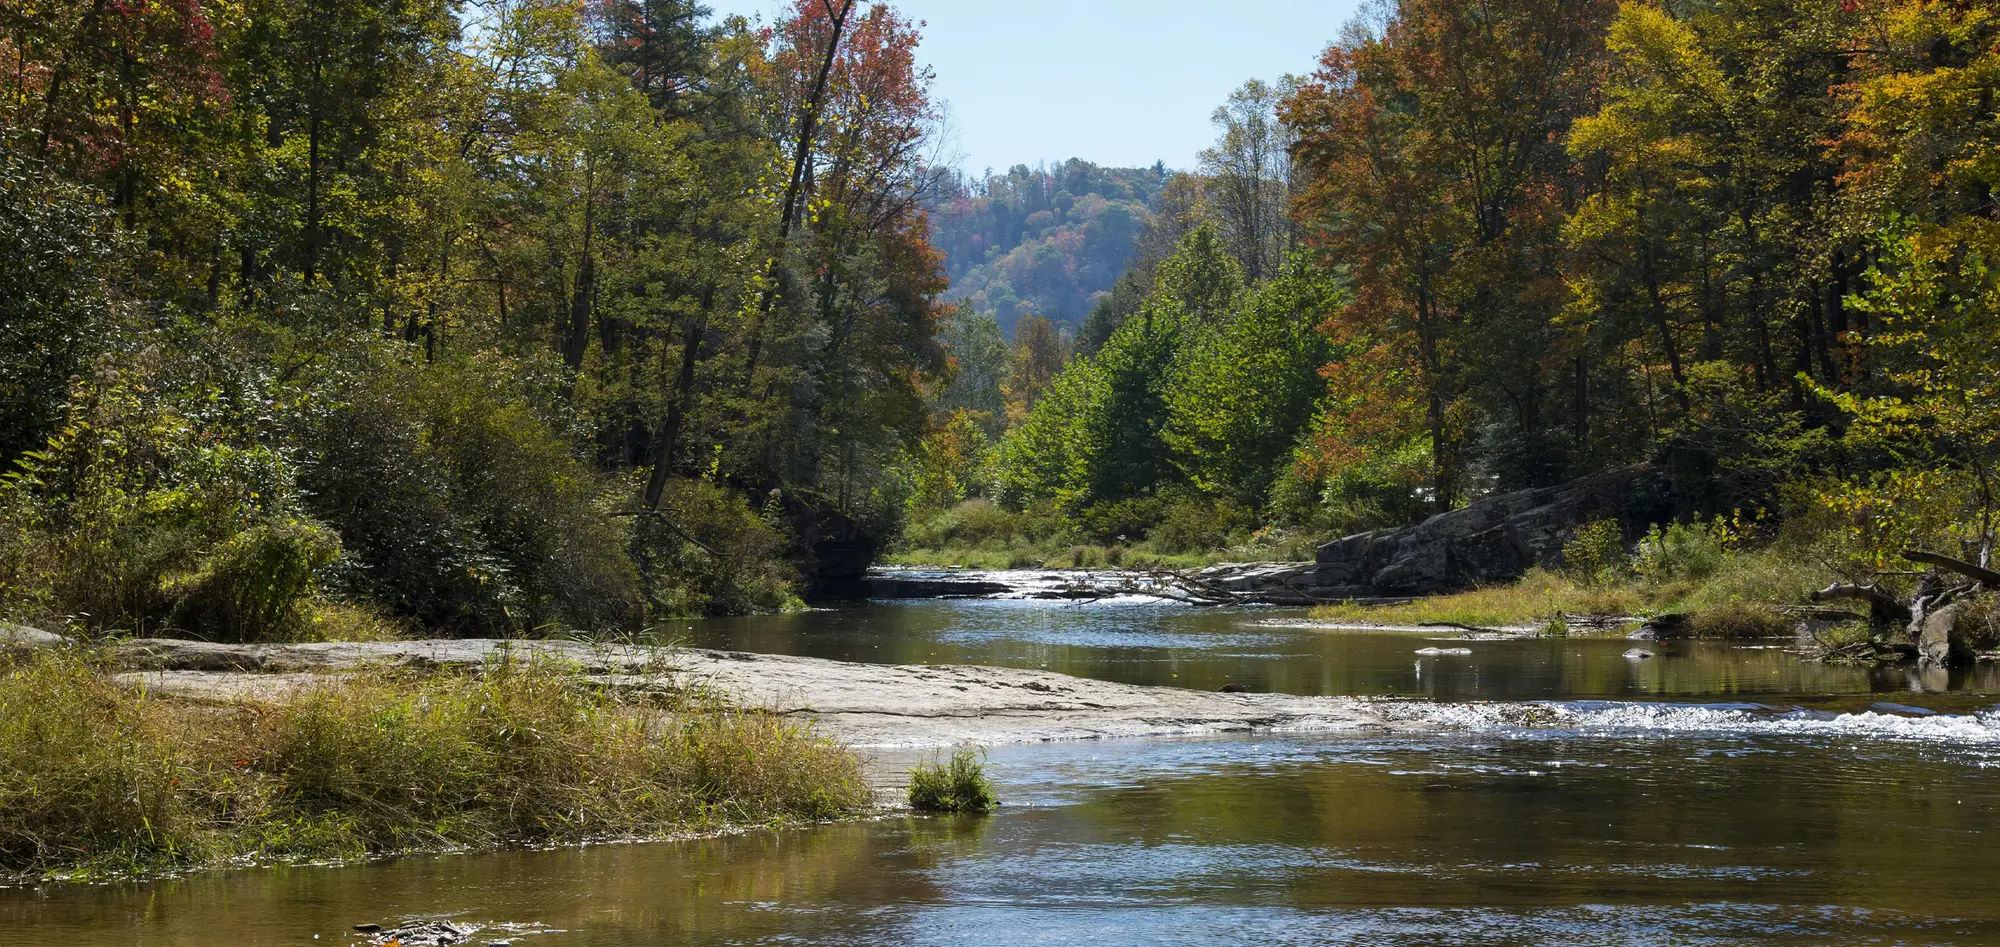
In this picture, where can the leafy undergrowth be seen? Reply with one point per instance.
(958, 786)
(1057, 557)
(99, 780)
(1150, 534)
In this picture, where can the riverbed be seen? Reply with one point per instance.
(1713, 793)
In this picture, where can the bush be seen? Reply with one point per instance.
(458, 503)
(1595, 553)
(1739, 620)
(1121, 520)
(1684, 551)
(958, 786)
(1194, 524)
(100, 779)
(57, 245)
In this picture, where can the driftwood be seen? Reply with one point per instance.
(1927, 618)
(1474, 629)
(1881, 605)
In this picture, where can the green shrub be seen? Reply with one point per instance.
(1595, 553)
(255, 584)
(958, 786)
(458, 502)
(1122, 520)
(57, 245)
(1684, 551)
(1193, 524)
(1739, 620)
(138, 515)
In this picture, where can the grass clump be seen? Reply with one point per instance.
(1738, 620)
(1538, 596)
(97, 779)
(958, 786)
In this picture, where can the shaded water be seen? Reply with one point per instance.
(1705, 811)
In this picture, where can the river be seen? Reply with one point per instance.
(1713, 794)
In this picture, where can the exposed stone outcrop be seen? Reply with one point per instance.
(24, 638)
(913, 584)
(875, 705)
(1493, 540)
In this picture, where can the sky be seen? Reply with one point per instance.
(1117, 82)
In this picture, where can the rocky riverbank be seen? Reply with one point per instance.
(864, 705)
(1493, 540)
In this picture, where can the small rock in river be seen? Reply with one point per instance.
(1638, 654)
(426, 934)
(367, 928)
(1232, 688)
(1444, 650)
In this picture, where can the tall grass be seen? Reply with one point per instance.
(97, 779)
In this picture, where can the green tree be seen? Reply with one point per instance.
(1238, 405)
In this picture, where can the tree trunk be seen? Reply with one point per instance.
(667, 447)
(577, 339)
(788, 213)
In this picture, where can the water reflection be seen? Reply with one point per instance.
(1507, 837)
(1266, 649)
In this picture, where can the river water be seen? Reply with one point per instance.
(1709, 795)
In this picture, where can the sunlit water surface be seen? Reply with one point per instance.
(1708, 796)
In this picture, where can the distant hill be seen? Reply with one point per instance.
(1040, 240)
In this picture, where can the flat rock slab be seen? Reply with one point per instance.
(867, 705)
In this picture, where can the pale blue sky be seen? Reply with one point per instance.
(1118, 82)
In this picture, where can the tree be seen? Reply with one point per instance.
(1237, 406)
(1434, 167)
(1038, 356)
(1248, 168)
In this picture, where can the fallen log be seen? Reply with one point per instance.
(1977, 573)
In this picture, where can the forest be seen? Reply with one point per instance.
(346, 318)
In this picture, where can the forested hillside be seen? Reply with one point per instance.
(345, 318)
(1484, 247)
(1038, 241)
